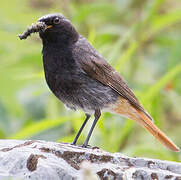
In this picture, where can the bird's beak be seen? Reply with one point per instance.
(48, 27)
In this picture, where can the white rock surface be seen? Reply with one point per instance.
(41, 160)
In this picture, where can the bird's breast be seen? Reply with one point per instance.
(60, 72)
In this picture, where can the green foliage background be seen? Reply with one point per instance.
(140, 38)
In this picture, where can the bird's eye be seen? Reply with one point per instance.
(56, 20)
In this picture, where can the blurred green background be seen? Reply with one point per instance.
(140, 38)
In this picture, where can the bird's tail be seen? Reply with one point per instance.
(123, 107)
(155, 131)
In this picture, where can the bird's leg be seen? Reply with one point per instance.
(80, 130)
(97, 115)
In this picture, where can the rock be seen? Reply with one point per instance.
(41, 160)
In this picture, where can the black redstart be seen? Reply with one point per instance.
(82, 79)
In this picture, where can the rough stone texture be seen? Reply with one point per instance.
(40, 160)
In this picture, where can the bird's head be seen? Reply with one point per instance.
(58, 29)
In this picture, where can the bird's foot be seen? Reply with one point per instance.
(86, 146)
(74, 144)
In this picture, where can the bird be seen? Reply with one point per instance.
(83, 79)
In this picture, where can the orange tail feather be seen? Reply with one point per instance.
(156, 132)
(123, 107)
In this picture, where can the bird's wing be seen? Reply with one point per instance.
(98, 68)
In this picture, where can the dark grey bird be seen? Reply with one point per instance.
(82, 79)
